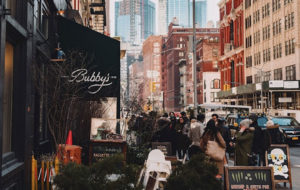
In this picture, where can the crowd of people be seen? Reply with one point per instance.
(190, 136)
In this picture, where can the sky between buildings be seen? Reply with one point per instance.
(212, 12)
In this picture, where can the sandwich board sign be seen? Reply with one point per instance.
(278, 157)
(249, 177)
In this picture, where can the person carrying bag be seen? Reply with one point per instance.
(214, 146)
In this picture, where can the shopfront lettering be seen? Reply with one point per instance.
(97, 80)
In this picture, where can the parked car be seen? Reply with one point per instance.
(290, 128)
(233, 120)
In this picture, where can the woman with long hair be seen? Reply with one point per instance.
(213, 144)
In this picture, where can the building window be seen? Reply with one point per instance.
(277, 27)
(290, 47)
(287, 2)
(248, 61)
(215, 84)
(275, 5)
(249, 79)
(257, 78)
(266, 32)
(248, 22)
(212, 97)
(257, 58)
(12, 5)
(289, 21)
(277, 51)
(8, 98)
(257, 37)
(290, 72)
(256, 16)
(267, 76)
(278, 74)
(267, 55)
(249, 41)
(247, 3)
(266, 10)
(204, 94)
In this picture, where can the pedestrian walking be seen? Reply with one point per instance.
(215, 117)
(182, 141)
(213, 144)
(195, 133)
(226, 134)
(273, 134)
(244, 141)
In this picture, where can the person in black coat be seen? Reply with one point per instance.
(225, 132)
(273, 134)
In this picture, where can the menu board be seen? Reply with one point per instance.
(278, 157)
(249, 177)
(102, 149)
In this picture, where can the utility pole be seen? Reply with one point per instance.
(194, 60)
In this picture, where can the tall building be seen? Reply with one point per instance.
(162, 17)
(148, 18)
(177, 48)
(272, 54)
(201, 12)
(134, 20)
(183, 11)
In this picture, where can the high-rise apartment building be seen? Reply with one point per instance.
(201, 12)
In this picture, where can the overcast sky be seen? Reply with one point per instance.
(212, 12)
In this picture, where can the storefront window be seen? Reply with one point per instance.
(8, 97)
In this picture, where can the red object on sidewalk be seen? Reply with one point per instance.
(69, 139)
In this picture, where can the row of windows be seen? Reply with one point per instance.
(275, 3)
(287, 2)
(247, 3)
(277, 53)
(290, 72)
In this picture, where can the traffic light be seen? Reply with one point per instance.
(153, 86)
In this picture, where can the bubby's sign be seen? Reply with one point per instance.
(95, 81)
(249, 177)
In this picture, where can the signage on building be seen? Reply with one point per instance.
(285, 100)
(258, 86)
(234, 91)
(276, 84)
(291, 84)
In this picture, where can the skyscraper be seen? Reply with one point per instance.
(183, 11)
(162, 17)
(201, 12)
(148, 18)
(180, 9)
(134, 20)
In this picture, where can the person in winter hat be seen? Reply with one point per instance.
(273, 134)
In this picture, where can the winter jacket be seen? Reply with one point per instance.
(243, 146)
(225, 132)
(273, 135)
(195, 132)
(258, 146)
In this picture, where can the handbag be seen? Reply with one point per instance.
(215, 151)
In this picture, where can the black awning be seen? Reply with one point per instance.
(105, 50)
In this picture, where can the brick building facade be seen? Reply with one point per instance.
(232, 43)
(152, 70)
(177, 47)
